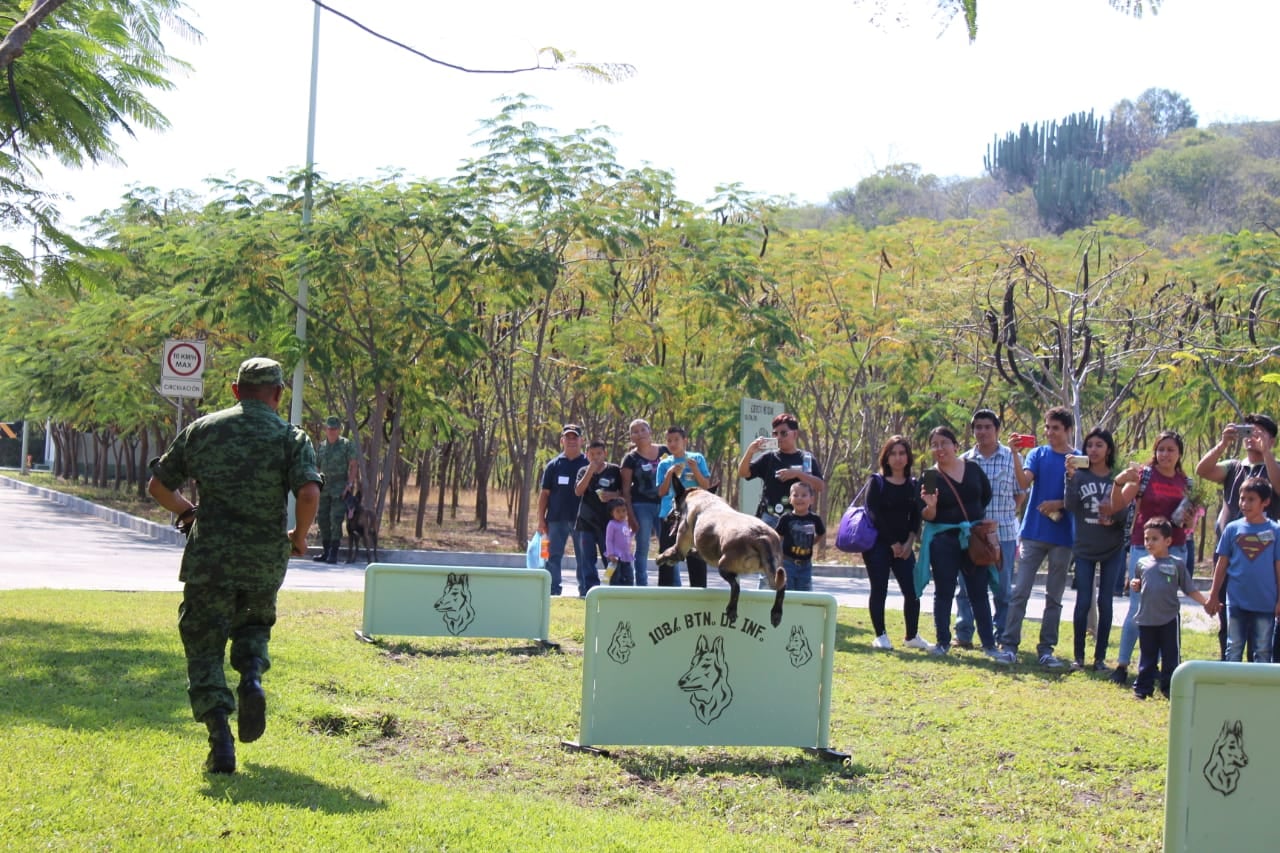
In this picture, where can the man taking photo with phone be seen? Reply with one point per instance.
(1047, 533)
(1258, 432)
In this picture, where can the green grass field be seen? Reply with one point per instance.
(454, 744)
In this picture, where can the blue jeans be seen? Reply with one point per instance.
(799, 575)
(964, 611)
(1108, 569)
(558, 533)
(586, 545)
(1252, 626)
(1129, 632)
(646, 521)
(951, 565)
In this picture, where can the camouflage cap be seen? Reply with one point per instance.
(333, 422)
(260, 371)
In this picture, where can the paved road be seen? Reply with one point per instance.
(51, 546)
(47, 545)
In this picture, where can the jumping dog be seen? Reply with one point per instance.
(734, 542)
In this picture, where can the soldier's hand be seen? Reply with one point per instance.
(185, 520)
(298, 543)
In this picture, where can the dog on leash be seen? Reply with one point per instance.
(734, 542)
(360, 528)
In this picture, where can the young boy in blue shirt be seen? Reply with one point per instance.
(1248, 559)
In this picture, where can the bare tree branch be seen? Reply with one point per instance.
(16, 41)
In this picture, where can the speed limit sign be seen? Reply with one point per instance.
(182, 369)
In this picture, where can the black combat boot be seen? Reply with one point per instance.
(323, 556)
(252, 717)
(222, 747)
(331, 553)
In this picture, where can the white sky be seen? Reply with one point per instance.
(792, 99)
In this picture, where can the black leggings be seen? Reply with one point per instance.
(880, 564)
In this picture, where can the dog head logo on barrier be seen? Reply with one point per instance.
(455, 604)
(621, 645)
(707, 681)
(1226, 758)
(798, 647)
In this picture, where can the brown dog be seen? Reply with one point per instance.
(735, 542)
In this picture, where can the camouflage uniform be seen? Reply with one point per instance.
(246, 460)
(333, 461)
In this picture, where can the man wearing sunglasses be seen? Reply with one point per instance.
(778, 469)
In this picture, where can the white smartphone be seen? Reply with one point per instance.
(769, 445)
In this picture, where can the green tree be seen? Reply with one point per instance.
(1201, 180)
(1137, 128)
(76, 74)
(894, 193)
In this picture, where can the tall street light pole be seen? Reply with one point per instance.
(295, 404)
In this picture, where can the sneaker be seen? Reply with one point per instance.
(938, 651)
(999, 656)
(1077, 665)
(1142, 696)
(882, 642)
(962, 644)
(1099, 666)
(1120, 675)
(917, 642)
(1048, 661)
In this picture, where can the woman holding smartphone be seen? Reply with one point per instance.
(1157, 488)
(1099, 540)
(954, 494)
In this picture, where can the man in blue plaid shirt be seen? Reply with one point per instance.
(996, 461)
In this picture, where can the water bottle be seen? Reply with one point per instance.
(808, 462)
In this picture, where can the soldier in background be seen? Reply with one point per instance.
(336, 457)
(245, 460)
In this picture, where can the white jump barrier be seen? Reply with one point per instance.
(1224, 757)
(456, 601)
(662, 666)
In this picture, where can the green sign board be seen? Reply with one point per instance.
(428, 601)
(664, 666)
(1224, 758)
